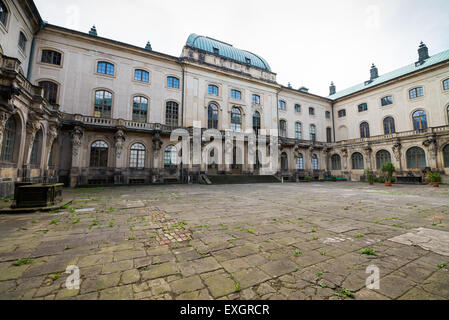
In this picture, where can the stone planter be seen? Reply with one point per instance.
(37, 195)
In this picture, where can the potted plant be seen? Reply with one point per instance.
(435, 178)
(369, 176)
(309, 179)
(388, 169)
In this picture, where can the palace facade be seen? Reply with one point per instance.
(83, 110)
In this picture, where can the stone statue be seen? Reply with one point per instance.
(119, 141)
(77, 134)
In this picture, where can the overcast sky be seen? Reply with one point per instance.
(308, 43)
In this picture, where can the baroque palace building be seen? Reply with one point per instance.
(82, 109)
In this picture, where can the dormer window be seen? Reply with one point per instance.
(248, 60)
(416, 92)
(216, 51)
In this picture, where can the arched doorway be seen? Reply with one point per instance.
(284, 162)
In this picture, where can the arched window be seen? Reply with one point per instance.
(106, 68)
(336, 162)
(22, 41)
(36, 150)
(256, 122)
(137, 156)
(212, 116)
(173, 82)
(51, 57)
(236, 120)
(3, 13)
(9, 136)
(364, 130)
(419, 120)
(300, 162)
(416, 92)
(283, 128)
(140, 109)
(382, 157)
(312, 132)
(170, 157)
(103, 104)
(315, 164)
(282, 105)
(50, 91)
(389, 126)
(99, 154)
(446, 156)
(357, 161)
(141, 75)
(171, 114)
(416, 158)
(213, 90)
(284, 162)
(298, 130)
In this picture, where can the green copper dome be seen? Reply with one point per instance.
(226, 50)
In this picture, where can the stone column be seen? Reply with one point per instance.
(32, 127)
(77, 135)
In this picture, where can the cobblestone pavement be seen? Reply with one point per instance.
(260, 241)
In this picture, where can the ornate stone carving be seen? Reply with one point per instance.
(32, 127)
(77, 134)
(397, 151)
(51, 136)
(431, 145)
(157, 143)
(119, 141)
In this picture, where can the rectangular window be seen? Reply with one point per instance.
(297, 108)
(213, 90)
(446, 84)
(387, 101)
(235, 94)
(256, 99)
(282, 105)
(342, 113)
(328, 115)
(51, 57)
(105, 68)
(141, 75)
(363, 107)
(173, 82)
(22, 41)
(416, 92)
(311, 111)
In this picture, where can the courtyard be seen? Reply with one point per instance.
(294, 241)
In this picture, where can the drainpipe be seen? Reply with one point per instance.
(277, 116)
(30, 61)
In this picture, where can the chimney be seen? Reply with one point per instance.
(423, 52)
(374, 72)
(93, 31)
(332, 89)
(148, 46)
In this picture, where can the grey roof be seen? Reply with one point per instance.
(226, 50)
(435, 59)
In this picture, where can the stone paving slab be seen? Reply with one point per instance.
(258, 242)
